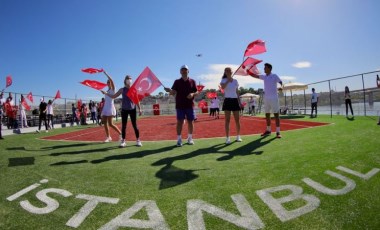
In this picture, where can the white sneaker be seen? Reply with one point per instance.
(120, 138)
(47, 131)
(108, 139)
(179, 142)
(228, 141)
(238, 139)
(122, 144)
(190, 141)
(37, 131)
(138, 143)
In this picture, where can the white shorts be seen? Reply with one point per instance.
(271, 105)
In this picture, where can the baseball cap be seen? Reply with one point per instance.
(185, 67)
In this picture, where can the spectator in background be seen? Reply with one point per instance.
(100, 108)
(252, 106)
(215, 107)
(314, 102)
(2, 101)
(347, 100)
(74, 115)
(50, 114)
(42, 116)
(23, 120)
(92, 107)
(11, 113)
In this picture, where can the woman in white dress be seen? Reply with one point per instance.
(109, 111)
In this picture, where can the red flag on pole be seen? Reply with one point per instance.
(57, 95)
(202, 104)
(92, 70)
(255, 47)
(200, 87)
(25, 104)
(8, 81)
(248, 67)
(144, 85)
(30, 97)
(211, 95)
(94, 84)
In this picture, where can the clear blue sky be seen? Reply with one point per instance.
(45, 43)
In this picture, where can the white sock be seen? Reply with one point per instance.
(268, 128)
(189, 136)
(277, 129)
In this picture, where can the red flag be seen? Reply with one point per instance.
(92, 70)
(57, 95)
(26, 106)
(220, 88)
(248, 67)
(255, 47)
(94, 84)
(211, 95)
(8, 81)
(144, 85)
(202, 104)
(200, 87)
(30, 97)
(79, 103)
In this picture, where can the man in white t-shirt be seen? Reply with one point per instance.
(314, 102)
(271, 104)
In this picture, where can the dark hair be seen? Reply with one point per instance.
(312, 89)
(224, 73)
(268, 65)
(346, 89)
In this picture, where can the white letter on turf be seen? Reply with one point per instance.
(156, 220)
(51, 203)
(275, 204)
(87, 208)
(26, 190)
(366, 176)
(248, 219)
(350, 185)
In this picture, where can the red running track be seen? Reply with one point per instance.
(157, 128)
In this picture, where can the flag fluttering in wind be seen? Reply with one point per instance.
(202, 104)
(57, 95)
(25, 104)
(94, 84)
(248, 67)
(211, 95)
(8, 81)
(92, 70)
(30, 97)
(200, 87)
(144, 85)
(255, 47)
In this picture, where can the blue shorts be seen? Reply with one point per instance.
(185, 113)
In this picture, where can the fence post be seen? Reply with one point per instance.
(365, 110)
(330, 100)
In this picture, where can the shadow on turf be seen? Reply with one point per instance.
(172, 176)
(50, 147)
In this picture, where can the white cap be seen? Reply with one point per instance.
(185, 67)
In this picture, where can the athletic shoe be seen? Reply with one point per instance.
(108, 139)
(190, 141)
(47, 131)
(278, 135)
(37, 131)
(120, 138)
(179, 143)
(138, 143)
(122, 144)
(238, 139)
(228, 141)
(266, 133)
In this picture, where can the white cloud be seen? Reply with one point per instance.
(212, 78)
(302, 64)
(286, 79)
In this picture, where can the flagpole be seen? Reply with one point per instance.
(239, 67)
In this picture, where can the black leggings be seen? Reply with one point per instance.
(348, 103)
(124, 119)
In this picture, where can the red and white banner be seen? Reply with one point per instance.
(255, 47)
(248, 67)
(144, 85)
(92, 70)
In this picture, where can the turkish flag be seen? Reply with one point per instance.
(92, 70)
(26, 106)
(200, 87)
(248, 67)
(8, 81)
(94, 84)
(57, 95)
(30, 97)
(255, 47)
(144, 85)
(202, 104)
(211, 95)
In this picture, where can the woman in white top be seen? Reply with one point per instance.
(50, 114)
(23, 121)
(109, 111)
(231, 103)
